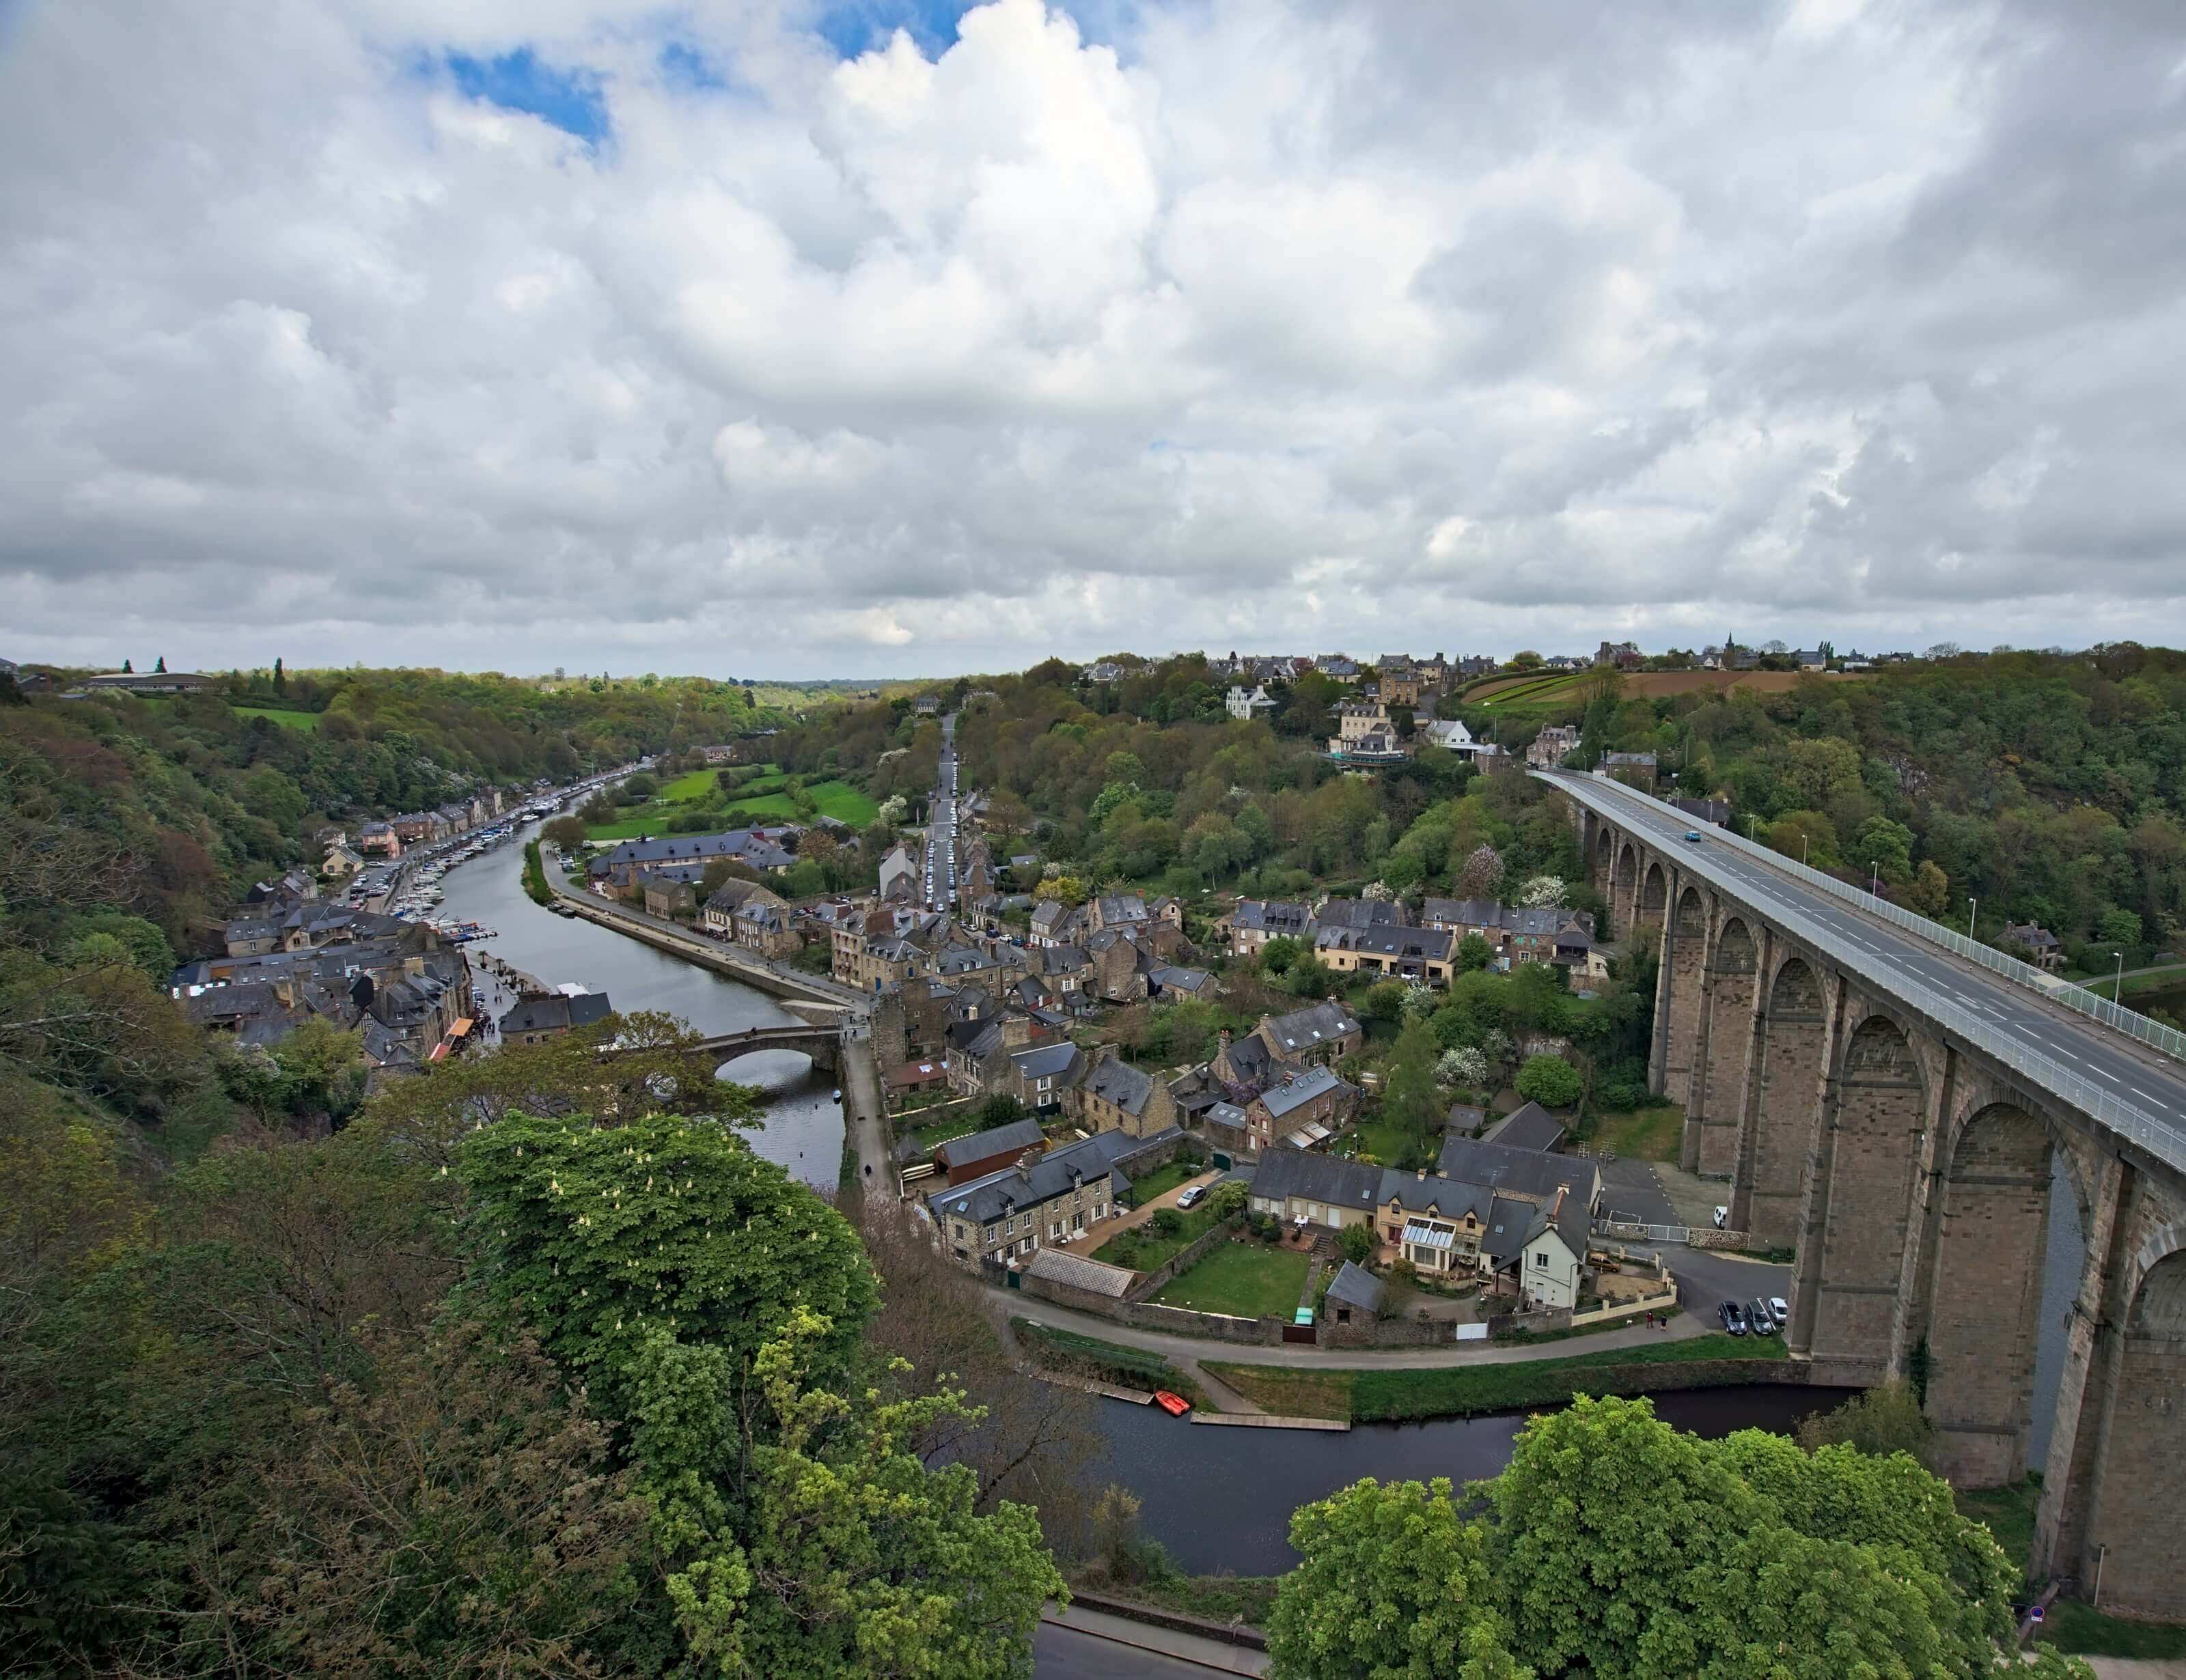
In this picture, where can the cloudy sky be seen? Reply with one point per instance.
(754, 337)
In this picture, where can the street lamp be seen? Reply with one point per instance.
(2117, 987)
(1804, 840)
(1873, 879)
(1973, 909)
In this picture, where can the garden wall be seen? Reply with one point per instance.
(1213, 1326)
(1152, 1283)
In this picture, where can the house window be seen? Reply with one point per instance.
(1541, 1260)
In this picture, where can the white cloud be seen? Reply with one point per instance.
(1255, 323)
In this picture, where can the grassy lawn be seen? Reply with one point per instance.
(1644, 1134)
(844, 803)
(956, 1126)
(2071, 1625)
(1247, 1280)
(1143, 1248)
(692, 785)
(1400, 1396)
(1383, 1139)
(287, 720)
(776, 805)
(1286, 1392)
(1164, 1179)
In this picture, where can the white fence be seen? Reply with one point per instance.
(2159, 1137)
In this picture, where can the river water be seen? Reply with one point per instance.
(1221, 1499)
(804, 1125)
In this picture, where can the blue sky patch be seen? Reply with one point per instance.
(571, 100)
(856, 26)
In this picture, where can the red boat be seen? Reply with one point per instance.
(1174, 1404)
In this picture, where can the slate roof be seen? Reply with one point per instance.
(1532, 1126)
(1016, 1136)
(1355, 1286)
(1301, 1029)
(1078, 1271)
(555, 1012)
(1360, 913)
(1045, 1062)
(983, 1199)
(1169, 977)
(1119, 1083)
(1406, 944)
(1317, 1177)
(1488, 913)
(1316, 1081)
(1271, 916)
(1517, 1171)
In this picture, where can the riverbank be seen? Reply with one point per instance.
(1410, 1395)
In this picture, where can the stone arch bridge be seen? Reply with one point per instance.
(1892, 1112)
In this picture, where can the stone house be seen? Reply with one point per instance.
(1041, 1077)
(1321, 1033)
(1301, 1111)
(1114, 973)
(1006, 1215)
(1255, 921)
(534, 1020)
(899, 876)
(1352, 1313)
(1050, 923)
(666, 894)
(1633, 770)
(1115, 1096)
(2042, 946)
(1551, 745)
(1515, 933)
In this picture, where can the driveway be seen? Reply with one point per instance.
(1632, 1189)
(1098, 1234)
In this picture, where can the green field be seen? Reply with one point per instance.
(692, 784)
(844, 803)
(765, 798)
(287, 720)
(1644, 1134)
(766, 807)
(1247, 1280)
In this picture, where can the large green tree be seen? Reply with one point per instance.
(599, 1236)
(1395, 1585)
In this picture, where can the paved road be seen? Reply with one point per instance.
(940, 880)
(2127, 1071)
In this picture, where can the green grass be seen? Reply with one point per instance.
(1383, 1139)
(1464, 1390)
(956, 1126)
(1401, 1396)
(692, 785)
(2070, 1625)
(1247, 1280)
(776, 805)
(1249, 1598)
(1164, 1179)
(1287, 1391)
(287, 720)
(1644, 1134)
(844, 803)
(1143, 1248)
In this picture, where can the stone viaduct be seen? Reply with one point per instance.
(1910, 1171)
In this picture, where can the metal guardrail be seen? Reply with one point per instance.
(2159, 1137)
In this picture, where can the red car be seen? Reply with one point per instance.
(1174, 1404)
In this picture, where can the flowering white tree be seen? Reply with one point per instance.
(894, 809)
(1419, 1002)
(1496, 1045)
(1464, 1066)
(1378, 891)
(1483, 874)
(1544, 892)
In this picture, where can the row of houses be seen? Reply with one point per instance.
(1518, 1218)
(631, 868)
(1381, 937)
(386, 837)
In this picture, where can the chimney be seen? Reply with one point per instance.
(1026, 1161)
(1423, 1175)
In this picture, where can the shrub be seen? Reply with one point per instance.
(1167, 1221)
(1358, 1242)
(1549, 1080)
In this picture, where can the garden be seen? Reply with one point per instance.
(1245, 1279)
(700, 801)
(1170, 1230)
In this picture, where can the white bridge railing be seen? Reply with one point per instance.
(2159, 1136)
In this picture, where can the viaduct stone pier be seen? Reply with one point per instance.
(1892, 1110)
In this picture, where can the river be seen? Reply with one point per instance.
(1221, 1499)
(803, 1129)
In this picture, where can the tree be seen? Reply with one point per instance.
(567, 832)
(1463, 1067)
(1410, 1097)
(1228, 1198)
(127, 667)
(806, 1542)
(280, 679)
(996, 1110)
(1544, 891)
(2118, 928)
(1481, 876)
(1357, 1243)
(461, 1515)
(1931, 891)
(1311, 978)
(1393, 1585)
(597, 1235)
(598, 809)
(1550, 1081)
(1384, 1000)
(1881, 1421)
(1279, 953)
(1474, 954)
(159, 665)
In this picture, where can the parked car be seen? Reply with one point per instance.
(1779, 1311)
(1758, 1315)
(1192, 1197)
(1734, 1320)
(1722, 1215)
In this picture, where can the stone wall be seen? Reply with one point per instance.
(1152, 1283)
(1068, 1295)
(1779, 1122)
(1214, 1326)
(1851, 1251)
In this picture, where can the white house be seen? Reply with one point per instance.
(1243, 705)
(1449, 734)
